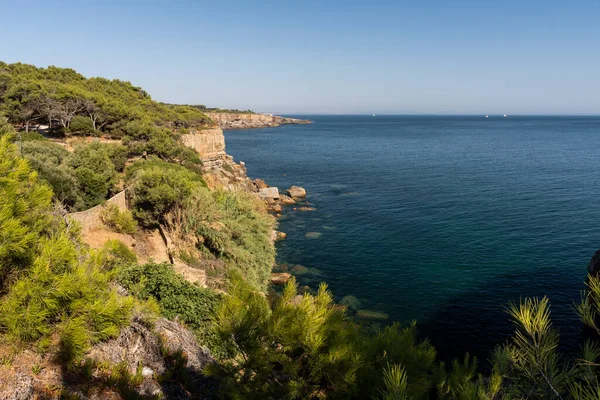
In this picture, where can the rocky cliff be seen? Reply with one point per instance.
(247, 121)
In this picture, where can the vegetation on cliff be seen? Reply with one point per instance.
(60, 298)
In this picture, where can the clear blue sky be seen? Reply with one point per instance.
(476, 56)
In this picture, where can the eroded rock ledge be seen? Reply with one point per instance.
(248, 121)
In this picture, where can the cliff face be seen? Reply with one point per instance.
(248, 121)
(209, 143)
(219, 167)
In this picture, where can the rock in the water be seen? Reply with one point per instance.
(276, 208)
(280, 278)
(594, 265)
(280, 235)
(269, 193)
(304, 208)
(296, 191)
(286, 200)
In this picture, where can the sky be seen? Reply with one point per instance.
(303, 57)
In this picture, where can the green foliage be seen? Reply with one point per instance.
(303, 347)
(193, 305)
(49, 160)
(156, 187)
(95, 172)
(63, 295)
(396, 383)
(24, 204)
(115, 255)
(59, 289)
(32, 137)
(119, 221)
(400, 346)
(83, 106)
(233, 226)
(82, 125)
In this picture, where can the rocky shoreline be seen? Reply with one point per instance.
(227, 120)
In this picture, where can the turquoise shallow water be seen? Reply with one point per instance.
(443, 220)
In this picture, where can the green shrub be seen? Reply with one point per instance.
(115, 255)
(95, 172)
(61, 178)
(24, 205)
(233, 226)
(45, 152)
(118, 154)
(157, 187)
(119, 221)
(32, 137)
(82, 125)
(178, 298)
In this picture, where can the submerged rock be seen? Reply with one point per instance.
(313, 235)
(296, 191)
(299, 269)
(350, 302)
(304, 208)
(371, 314)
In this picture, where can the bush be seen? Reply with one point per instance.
(24, 205)
(82, 125)
(115, 255)
(233, 226)
(48, 159)
(45, 152)
(32, 137)
(178, 298)
(62, 179)
(96, 173)
(157, 187)
(60, 291)
(119, 221)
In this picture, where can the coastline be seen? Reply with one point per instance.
(229, 120)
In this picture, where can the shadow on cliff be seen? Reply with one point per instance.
(476, 323)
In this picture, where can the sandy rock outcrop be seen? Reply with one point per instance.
(280, 278)
(227, 120)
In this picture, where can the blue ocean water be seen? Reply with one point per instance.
(442, 220)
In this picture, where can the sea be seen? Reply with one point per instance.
(442, 220)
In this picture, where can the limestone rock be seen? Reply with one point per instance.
(139, 344)
(296, 191)
(260, 184)
(280, 278)
(276, 208)
(231, 120)
(280, 235)
(286, 200)
(23, 390)
(269, 193)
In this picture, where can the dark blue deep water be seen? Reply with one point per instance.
(443, 220)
